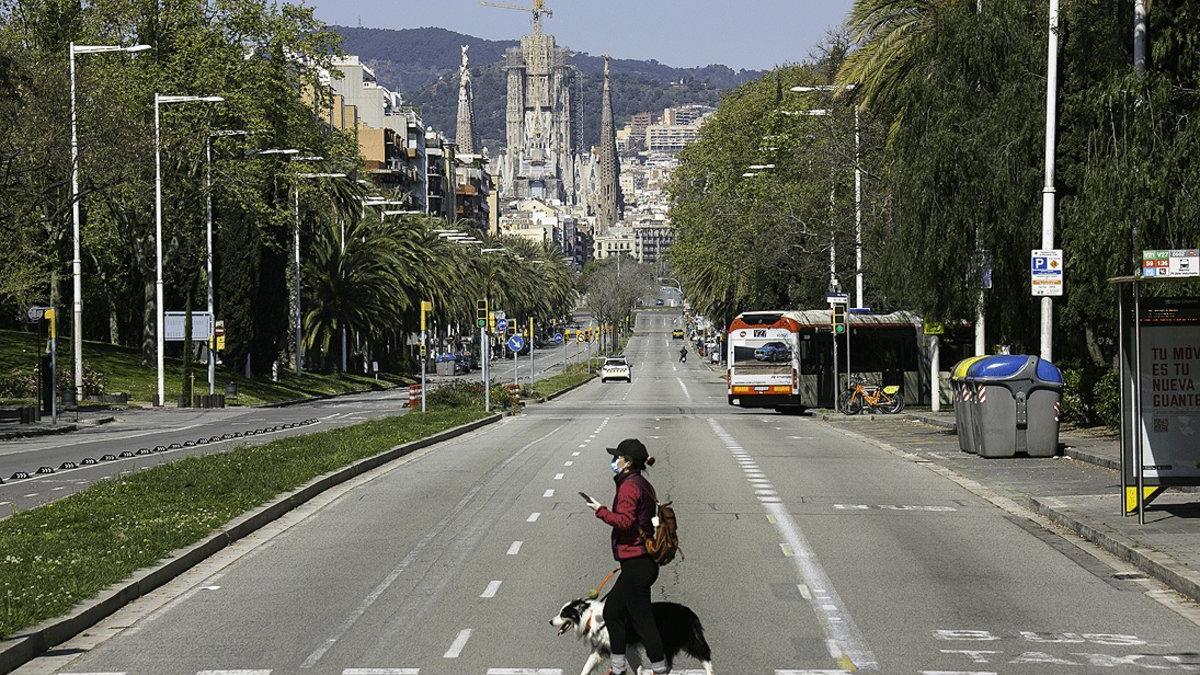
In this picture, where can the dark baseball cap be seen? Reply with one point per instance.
(630, 448)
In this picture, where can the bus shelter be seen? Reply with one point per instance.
(1159, 356)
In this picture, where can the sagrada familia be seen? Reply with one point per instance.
(545, 153)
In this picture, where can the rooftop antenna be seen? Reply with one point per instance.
(538, 10)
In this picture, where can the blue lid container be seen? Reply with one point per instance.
(1048, 372)
(997, 367)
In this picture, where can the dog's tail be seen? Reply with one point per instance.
(696, 645)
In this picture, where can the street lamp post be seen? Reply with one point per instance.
(208, 236)
(159, 101)
(1048, 196)
(76, 262)
(296, 255)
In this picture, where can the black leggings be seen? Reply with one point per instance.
(628, 606)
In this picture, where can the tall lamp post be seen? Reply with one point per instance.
(858, 243)
(296, 255)
(1048, 196)
(159, 101)
(76, 263)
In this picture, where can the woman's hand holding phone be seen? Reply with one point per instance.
(590, 502)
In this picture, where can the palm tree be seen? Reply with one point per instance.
(889, 34)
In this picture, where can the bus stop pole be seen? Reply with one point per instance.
(1137, 400)
(836, 373)
(1122, 376)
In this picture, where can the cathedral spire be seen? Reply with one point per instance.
(466, 138)
(610, 205)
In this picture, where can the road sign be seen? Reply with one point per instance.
(202, 326)
(838, 298)
(558, 338)
(516, 343)
(501, 324)
(1046, 272)
(1173, 263)
(36, 314)
(218, 341)
(935, 328)
(581, 336)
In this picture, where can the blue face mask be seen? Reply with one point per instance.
(616, 465)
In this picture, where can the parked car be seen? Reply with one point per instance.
(616, 368)
(773, 351)
(677, 334)
(659, 302)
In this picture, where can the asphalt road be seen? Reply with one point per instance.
(155, 432)
(806, 550)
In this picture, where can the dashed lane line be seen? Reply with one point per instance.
(844, 640)
(548, 493)
(493, 587)
(515, 548)
(459, 643)
(533, 517)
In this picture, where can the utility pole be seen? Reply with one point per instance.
(1048, 196)
(1139, 36)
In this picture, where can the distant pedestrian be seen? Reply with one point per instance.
(631, 516)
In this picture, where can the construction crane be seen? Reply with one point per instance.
(538, 10)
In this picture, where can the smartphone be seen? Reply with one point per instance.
(586, 498)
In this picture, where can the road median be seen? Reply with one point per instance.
(71, 563)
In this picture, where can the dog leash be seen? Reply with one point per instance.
(595, 592)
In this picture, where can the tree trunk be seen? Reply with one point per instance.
(148, 324)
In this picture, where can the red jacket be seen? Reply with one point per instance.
(633, 507)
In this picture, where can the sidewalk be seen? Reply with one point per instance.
(1078, 491)
(66, 424)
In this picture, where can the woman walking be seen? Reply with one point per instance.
(627, 606)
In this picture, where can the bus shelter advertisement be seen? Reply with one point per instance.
(1170, 391)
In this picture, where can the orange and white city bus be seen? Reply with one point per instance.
(763, 360)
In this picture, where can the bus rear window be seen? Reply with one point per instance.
(762, 319)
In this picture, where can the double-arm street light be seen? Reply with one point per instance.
(296, 255)
(858, 245)
(76, 263)
(159, 101)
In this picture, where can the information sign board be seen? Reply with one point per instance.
(516, 343)
(1171, 263)
(173, 323)
(1046, 272)
(935, 328)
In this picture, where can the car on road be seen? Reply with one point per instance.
(659, 302)
(773, 351)
(616, 368)
(677, 334)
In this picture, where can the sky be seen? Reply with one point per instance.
(755, 34)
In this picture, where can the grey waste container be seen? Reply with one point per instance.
(962, 403)
(1016, 407)
(445, 365)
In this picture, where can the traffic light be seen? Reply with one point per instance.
(837, 319)
(481, 313)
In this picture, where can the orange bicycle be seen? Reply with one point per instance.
(887, 399)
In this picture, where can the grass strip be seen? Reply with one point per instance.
(125, 371)
(574, 375)
(56, 555)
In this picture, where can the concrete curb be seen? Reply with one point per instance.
(19, 650)
(932, 421)
(1092, 458)
(1158, 565)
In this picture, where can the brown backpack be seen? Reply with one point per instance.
(664, 543)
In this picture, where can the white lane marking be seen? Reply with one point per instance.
(684, 388)
(515, 548)
(412, 556)
(524, 671)
(568, 463)
(803, 438)
(58, 488)
(583, 445)
(533, 517)
(804, 592)
(210, 588)
(575, 454)
(845, 640)
(382, 671)
(456, 647)
(548, 493)
(771, 519)
(559, 476)
(31, 494)
(121, 672)
(492, 588)
(787, 550)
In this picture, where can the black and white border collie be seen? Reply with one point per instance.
(679, 627)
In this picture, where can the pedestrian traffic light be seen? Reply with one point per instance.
(838, 319)
(481, 313)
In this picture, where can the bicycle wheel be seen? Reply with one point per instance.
(894, 406)
(852, 405)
